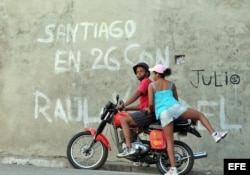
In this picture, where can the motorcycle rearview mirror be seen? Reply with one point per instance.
(117, 99)
(121, 102)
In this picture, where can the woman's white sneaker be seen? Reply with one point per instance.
(172, 171)
(219, 135)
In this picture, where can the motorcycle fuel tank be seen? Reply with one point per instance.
(118, 117)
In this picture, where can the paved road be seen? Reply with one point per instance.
(10, 169)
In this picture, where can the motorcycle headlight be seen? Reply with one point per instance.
(108, 107)
(102, 110)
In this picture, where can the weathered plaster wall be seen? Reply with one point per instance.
(61, 61)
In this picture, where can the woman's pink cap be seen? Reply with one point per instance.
(160, 68)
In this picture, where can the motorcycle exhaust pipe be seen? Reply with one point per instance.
(200, 155)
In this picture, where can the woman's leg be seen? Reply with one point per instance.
(168, 131)
(196, 115)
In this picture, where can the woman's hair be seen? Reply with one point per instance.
(167, 72)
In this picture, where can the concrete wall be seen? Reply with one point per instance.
(61, 61)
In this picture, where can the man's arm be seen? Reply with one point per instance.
(132, 108)
(150, 99)
(131, 100)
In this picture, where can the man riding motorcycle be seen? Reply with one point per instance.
(141, 117)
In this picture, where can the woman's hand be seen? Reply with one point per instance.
(148, 110)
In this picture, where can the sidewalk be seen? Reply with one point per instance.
(111, 166)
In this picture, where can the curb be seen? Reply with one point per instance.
(129, 167)
(62, 162)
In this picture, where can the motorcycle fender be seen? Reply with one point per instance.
(100, 137)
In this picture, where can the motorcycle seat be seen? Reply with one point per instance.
(177, 122)
(181, 122)
(156, 125)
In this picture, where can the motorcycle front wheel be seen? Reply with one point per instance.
(81, 156)
(184, 159)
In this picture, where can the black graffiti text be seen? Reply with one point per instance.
(218, 80)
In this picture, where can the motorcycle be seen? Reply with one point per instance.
(89, 149)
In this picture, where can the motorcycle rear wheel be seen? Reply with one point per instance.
(184, 159)
(80, 158)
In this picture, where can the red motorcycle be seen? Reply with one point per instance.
(89, 149)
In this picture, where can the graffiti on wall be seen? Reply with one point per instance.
(63, 110)
(222, 115)
(218, 81)
(66, 61)
(76, 108)
(68, 33)
(70, 60)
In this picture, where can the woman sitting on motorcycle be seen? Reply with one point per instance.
(163, 99)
